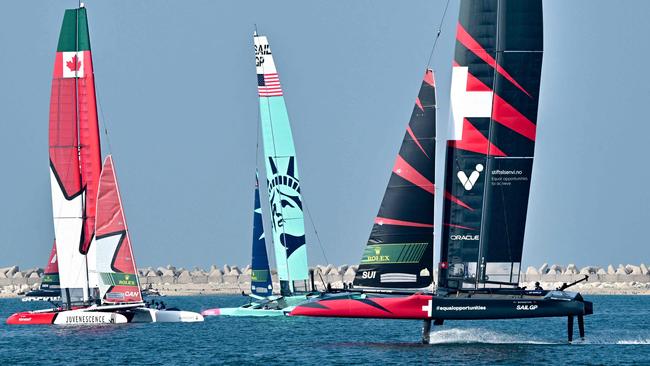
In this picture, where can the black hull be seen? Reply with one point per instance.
(493, 307)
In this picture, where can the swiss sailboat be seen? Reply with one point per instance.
(285, 202)
(98, 279)
(488, 167)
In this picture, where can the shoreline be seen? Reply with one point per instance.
(231, 280)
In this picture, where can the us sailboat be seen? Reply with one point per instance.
(285, 201)
(98, 279)
(488, 167)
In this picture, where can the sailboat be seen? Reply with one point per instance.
(49, 289)
(488, 167)
(98, 279)
(285, 202)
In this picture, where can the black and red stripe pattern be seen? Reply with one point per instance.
(498, 59)
(406, 212)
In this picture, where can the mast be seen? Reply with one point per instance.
(494, 100)
(261, 282)
(75, 155)
(282, 176)
(399, 252)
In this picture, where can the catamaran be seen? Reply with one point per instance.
(98, 280)
(285, 203)
(488, 166)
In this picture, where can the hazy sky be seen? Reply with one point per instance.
(177, 87)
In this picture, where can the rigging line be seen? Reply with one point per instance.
(439, 31)
(313, 225)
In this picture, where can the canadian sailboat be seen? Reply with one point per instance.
(98, 279)
(488, 165)
(285, 202)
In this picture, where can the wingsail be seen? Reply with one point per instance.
(494, 99)
(261, 282)
(283, 181)
(75, 154)
(399, 253)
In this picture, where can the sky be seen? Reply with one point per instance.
(177, 91)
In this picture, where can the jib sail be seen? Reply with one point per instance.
(399, 253)
(282, 178)
(261, 283)
(50, 279)
(494, 97)
(110, 260)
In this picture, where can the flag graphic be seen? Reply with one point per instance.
(268, 85)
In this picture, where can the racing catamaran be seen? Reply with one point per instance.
(488, 165)
(97, 275)
(285, 202)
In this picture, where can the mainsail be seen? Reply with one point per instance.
(261, 283)
(494, 97)
(282, 177)
(399, 253)
(75, 155)
(110, 259)
(50, 279)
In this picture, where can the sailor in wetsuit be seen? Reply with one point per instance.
(538, 287)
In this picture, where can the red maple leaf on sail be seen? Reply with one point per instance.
(74, 64)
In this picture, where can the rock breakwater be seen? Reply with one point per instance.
(231, 279)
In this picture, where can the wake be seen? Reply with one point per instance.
(479, 335)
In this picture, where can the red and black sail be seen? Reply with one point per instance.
(399, 253)
(494, 101)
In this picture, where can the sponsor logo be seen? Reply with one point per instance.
(527, 307)
(393, 253)
(461, 308)
(131, 294)
(464, 237)
(378, 257)
(469, 182)
(260, 51)
(115, 295)
(89, 319)
(368, 274)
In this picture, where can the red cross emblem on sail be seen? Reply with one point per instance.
(466, 103)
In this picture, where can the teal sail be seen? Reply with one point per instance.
(261, 275)
(282, 178)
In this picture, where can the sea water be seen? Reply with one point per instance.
(617, 333)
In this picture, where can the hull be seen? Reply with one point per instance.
(521, 304)
(147, 315)
(241, 311)
(270, 306)
(67, 317)
(86, 317)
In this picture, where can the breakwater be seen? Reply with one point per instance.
(171, 280)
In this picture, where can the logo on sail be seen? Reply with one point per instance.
(469, 182)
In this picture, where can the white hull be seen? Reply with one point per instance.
(146, 315)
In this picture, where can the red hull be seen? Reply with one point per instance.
(27, 317)
(358, 306)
